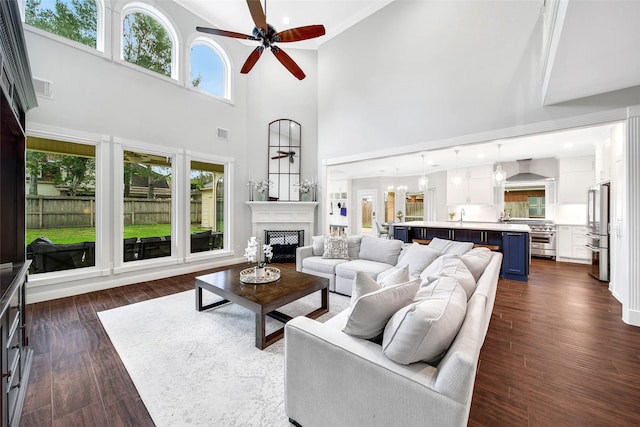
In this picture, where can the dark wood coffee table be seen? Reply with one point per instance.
(263, 299)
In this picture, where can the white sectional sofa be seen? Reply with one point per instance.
(333, 377)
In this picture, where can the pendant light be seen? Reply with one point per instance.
(499, 175)
(456, 180)
(423, 181)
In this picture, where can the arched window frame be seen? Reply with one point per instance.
(215, 47)
(170, 28)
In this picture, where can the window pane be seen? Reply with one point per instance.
(207, 70)
(146, 43)
(73, 19)
(61, 204)
(147, 206)
(207, 206)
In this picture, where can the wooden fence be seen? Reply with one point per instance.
(59, 212)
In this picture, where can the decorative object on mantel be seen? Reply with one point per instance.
(262, 187)
(307, 190)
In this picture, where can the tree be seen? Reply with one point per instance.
(35, 162)
(73, 19)
(76, 173)
(196, 81)
(146, 43)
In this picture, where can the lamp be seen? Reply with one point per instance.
(423, 181)
(456, 180)
(499, 175)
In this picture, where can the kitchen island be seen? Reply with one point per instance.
(510, 239)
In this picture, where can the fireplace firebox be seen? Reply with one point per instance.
(284, 243)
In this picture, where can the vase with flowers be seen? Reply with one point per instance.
(305, 188)
(262, 257)
(262, 187)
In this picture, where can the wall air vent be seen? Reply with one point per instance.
(223, 134)
(43, 88)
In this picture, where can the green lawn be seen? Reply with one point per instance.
(88, 234)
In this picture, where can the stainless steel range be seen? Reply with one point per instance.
(543, 237)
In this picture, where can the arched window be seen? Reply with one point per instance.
(209, 68)
(149, 40)
(77, 20)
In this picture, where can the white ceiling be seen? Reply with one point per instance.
(335, 15)
(569, 143)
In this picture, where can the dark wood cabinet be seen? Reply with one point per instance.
(515, 251)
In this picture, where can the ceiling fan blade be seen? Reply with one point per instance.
(225, 33)
(288, 63)
(299, 33)
(278, 157)
(252, 59)
(259, 18)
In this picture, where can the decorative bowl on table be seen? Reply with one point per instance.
(255, 276)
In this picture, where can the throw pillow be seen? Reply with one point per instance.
(477, 260)
(394, 276)
(317, 245)
(362, 284)
(370, 313)
(450, 246)
(435, 267)
(456, 269)
(353, 243)
(417, 257)
(380, 250)
(424, 330)
(335, 247)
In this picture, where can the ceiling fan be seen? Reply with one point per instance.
(267, 36)
(283, 154)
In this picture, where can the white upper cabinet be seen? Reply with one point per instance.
(475, 186)
(576, 175)
(603, 162)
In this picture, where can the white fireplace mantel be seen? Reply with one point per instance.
(282, 216)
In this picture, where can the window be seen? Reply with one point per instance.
(73, 19)
(209, 68)
(147, 206)
(207, 206)
(414, 207)
(60, 205)
(149, 40)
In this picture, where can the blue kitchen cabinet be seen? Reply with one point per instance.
(401, 233)
(515, 250)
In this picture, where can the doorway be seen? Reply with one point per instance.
(366, 212)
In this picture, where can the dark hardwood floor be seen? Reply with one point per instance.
(557, 353)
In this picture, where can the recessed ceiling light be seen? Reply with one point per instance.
(481, 155)
(285, 20)
(568, 145)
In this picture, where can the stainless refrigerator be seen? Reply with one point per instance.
(598, 230)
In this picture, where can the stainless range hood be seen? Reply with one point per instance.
(524, 175)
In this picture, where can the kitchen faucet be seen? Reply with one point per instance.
(461, 215)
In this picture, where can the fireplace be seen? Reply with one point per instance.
(284, 243)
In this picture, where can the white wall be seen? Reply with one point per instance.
(95, 94)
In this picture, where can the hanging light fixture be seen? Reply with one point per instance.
(456, 180)
(400, 189)
(499, 175)
(423, 181)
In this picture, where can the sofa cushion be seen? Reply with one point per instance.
(417, 257)
(363, 284)
(380, 250)
(322, 265)
(394, 276)
(353, 246)
(424, 330)
(349, 269)
(317, 244)
(370, 313)
(450, 246)
(454, 267)
(335, 247)
(476, 261)
(435, 267)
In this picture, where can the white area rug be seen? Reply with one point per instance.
(202, 368)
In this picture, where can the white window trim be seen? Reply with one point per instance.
(227, 246)
(121, 145)
(163, 19)
(101, 267)
(226, 61)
